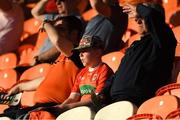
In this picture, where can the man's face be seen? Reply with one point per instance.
(62, 7)
(141, 25)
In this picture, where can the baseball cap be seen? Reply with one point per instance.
(90, 42)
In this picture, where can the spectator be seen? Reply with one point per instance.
(89, 79)
(147, 64)
(110, 24)
(65, 7)
(56, 86)
(11, 26)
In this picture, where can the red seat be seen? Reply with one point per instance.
(159, 105)
(176, 31)
(30, 74)
(8, 60)
(171, 89)
(113, 59)
(8, 77)
(31, 26)
(89, 14)
(174, 115)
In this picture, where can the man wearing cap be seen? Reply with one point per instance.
(90, 79)
(147, 63)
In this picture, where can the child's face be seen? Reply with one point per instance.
(87, 57)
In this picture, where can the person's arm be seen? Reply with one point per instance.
(154, 21)
(101, 6)
(62, 43)
(48, 56)
(39, 10)
(73, 101)
(26, 85)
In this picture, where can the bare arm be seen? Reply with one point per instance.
(101, 6)
(62, 43)
(26, 85)
(38, 10)
(73, 101)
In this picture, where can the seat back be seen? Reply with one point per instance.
(31, 26)
(37, 71)
(27, 57)
(8, 60)
(159, 105)
(118, 111)
(174, 115)
(176, 32)
(78, 113)
(8, 77)
(113, 59)
(171, 89)
(89, 14)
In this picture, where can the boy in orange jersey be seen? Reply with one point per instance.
(90, 79)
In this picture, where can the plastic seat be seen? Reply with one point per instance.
(145, 117)
(170, 12)
(8, 77)
(89, 14)
(32, 73)
(176, 31)
(113, 59)
(116, 111)
(27, 57)
(31, 26)
(78, 113)
(171, 89)
(40, 40)
(159, 105)
(169, 4)
(174, 115)
(8, 60)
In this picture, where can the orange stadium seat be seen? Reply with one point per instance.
(32, 73)
(89, 14)
(40, 40)
(145, 116)
(26, 57)
(8, 77)
(170, 89)
(169, 4)
(113, 59)
(8, 60)
(31, 26)
(158, 106)
(176, 31)
(174, 115)
(116, 111)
